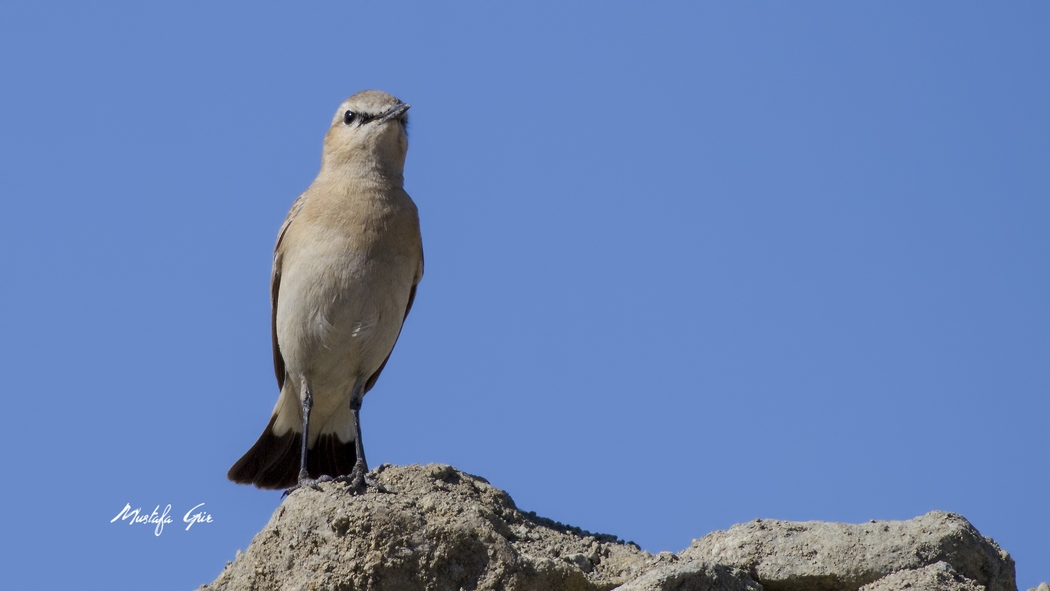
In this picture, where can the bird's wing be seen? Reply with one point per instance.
(419, 277)
(411, 298)
(275, 288)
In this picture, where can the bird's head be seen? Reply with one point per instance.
(368, 135)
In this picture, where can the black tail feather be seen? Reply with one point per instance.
(273, 462)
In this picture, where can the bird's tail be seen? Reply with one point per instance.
(273, 462)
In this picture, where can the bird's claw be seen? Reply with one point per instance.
(313, 483)
(359, 482)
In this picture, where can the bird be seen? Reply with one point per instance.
(346, 265)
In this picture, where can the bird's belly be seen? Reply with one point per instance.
(335, 329)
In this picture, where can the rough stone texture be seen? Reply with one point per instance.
(818, 556)
(694, 575)
(441, 529)
(1042, 587)
(935, 577)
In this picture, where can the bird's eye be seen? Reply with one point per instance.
(348, 117)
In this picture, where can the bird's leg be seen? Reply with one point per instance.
(306, 397)
(358, 478)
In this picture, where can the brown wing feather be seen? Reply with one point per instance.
(411, 298)
(275, 288)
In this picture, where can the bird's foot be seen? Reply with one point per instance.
(305, 482)
(359, 482)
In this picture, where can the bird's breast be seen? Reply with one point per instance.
(341, 302)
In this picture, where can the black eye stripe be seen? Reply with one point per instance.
(362, 118)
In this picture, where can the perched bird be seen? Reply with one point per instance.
(345, 269)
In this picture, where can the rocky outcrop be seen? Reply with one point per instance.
(441, 529)
(821, 556)
(437, 528)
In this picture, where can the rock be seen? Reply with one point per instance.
(440, 529)
(1041, 587)
(936, 577)
(817, 556)
(694, 575)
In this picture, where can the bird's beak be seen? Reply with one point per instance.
(394, 112)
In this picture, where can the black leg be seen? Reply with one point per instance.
(358, 478)
(306, 397)
(355, 410)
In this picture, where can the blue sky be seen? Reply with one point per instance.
(687, 265)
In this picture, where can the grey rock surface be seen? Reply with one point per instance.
(935, 577)
(441, 529)
(817, 555)
(693, 575)
(438, 529)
